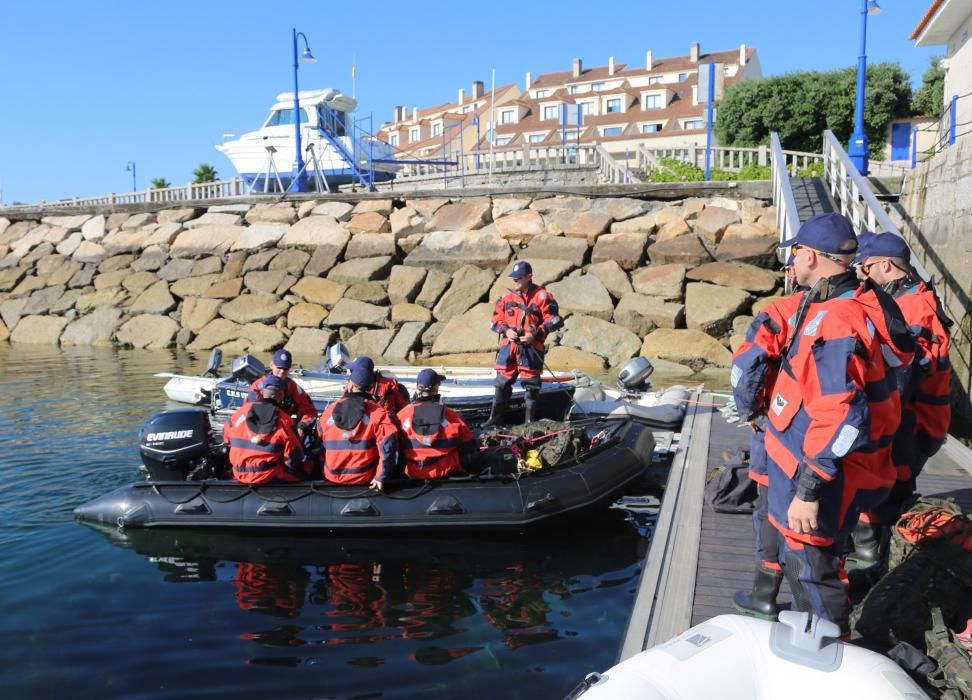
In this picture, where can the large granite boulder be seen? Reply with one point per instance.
(210, 218)
(322, 260)
(621, 208)
(89, 252)
(747, 243)
(740, 275)
(406, 313)
(583, 295)
(673, 229)
(94, 228)
(641, 314)
(258, 236)
(713, 222)
(587, 225)
(665, 281)
(432, 288)
(640, 224)
(154, 300)
(71, 222)
(405, 283)
(370, 342)
(339, 211)
(148, 331)
(268, 281)
(468, 333)
(685, 250)
(692, 348)
(292, 261)
(69, 244)
(95, 329)
(405, 222)
(370, 245)
(447, 251)
(38, 330)
(139, 282)
(259, 337)
(175, 269)
(626, 249)
(427, 206)
(373, 292)
(178, 216)
(381, 205)
(316, 231)
(407, 339)
(361, 270)
(544, 272)
(612, 342)
(562, 358)
(311, 341)
(469, 285)
(205, 240)
(193, 286)
(369, 222)
(282, 213)
(507, 205)
(110, 279)
(614, 279)
(520, 225)
(304, 315)
(250, 308)
(466, 215)
(197, 312)
(106, 297)
(165, 234)
(710, 307)
(4, 331)
(42, 300)
(355, 314)
(550, 205)
(552, 247)
(217, 332)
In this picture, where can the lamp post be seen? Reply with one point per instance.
(130, 168)
(857, 149)
(298, 180)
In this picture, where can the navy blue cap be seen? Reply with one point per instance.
(789, 262)
(272, 382)
(881, 245)
(282, 359)
(521, 268)
(828, 233)
(428, 378)
(362, 371)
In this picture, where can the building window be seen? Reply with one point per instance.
(586, 108)
(551, 112)
(573, 89)
(597, 87)
(653, 102)
(682, 77)
(542, 93)
(393, 139)
(413, 135)
(654, 80)
(612, 131)
(536, 138)
(693, 124)
(467, 108)
(650, 128)
(437, 129)
(506, 116)
(614, 105)
(570, 135)
(503, 140)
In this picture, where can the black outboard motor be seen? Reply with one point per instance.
(178, 446)
(247, 368)
(633, 377)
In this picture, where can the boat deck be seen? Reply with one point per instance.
(699, 558)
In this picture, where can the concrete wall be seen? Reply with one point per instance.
(936, 217)
(958, 77)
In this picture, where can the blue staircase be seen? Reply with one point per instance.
(334, 127)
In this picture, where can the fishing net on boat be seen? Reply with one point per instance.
(538, 445)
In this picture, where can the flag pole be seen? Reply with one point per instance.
(354, 76)
(492, 124)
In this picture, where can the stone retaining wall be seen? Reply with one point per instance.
(410, 279)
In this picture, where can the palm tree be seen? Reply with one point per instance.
(160, 183)
(204, 173)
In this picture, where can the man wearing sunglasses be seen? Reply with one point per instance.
(884, 258)
(832, 407)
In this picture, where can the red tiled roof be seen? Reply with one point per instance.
(926, 18)
(587, 74)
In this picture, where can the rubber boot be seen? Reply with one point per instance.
(498, 409)
(761, 601)
(867, 539)
(529, 411)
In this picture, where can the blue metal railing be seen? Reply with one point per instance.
(334, 127)
(948, 129)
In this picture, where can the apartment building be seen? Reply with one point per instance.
(616, 105)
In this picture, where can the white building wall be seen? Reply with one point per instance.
(958, 77)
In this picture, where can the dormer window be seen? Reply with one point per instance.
(597, 87)
(682, 77)
(693, 124)
(573, 89)
(614, 105)
(507, 116)
(413, 135)
(437, 129)
(542, 93)
(503, 140)
(612, 131)
(551, 112)
(650, 128)
(535, 138)
(393, 139)
(653, 102)
(655, 80)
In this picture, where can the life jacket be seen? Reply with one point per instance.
(263, 446)
(358, 441)
(294, 402)
(535, 311)
(390, 394)
(432, 436)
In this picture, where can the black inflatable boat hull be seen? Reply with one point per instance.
(474, 503)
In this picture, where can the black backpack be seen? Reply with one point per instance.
(728, 488)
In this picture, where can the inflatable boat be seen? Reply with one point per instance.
(177, 449)
(731, 656)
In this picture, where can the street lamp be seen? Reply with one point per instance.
(857, 149)
(308, 57)
(130, 168)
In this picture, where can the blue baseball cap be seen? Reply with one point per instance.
(883, 245)
(428, 378)
(520, 269)
(828, 233)
(362, 371)
(282, 359)
(789, 262)
(272, 382)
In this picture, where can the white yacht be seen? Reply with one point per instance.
(344, 154)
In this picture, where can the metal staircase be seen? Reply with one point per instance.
(334, 129)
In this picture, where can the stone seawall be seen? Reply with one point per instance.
(410, 278)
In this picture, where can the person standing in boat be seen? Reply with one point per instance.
(359, 440)
(294, 401)
(524, 316)
(263, 447)
(435, 441)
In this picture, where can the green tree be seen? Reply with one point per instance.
(801, 105)
(930, 98)
(204, 173)
(160, 183)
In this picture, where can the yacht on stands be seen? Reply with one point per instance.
(332, 146)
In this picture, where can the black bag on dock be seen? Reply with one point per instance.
(728, 488)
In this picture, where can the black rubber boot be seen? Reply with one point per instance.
(529, 411)
(498, 409)
(867, 538)
(761, 601)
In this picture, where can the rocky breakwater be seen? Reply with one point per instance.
(409, 279)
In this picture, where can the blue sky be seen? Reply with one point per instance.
(88, 86)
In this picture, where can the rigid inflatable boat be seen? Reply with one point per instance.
(177, 446)
(731, 656)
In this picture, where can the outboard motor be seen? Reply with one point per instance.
(215, 360)
(633, 377)
(338, 358)
(178, 446)
(247, 368)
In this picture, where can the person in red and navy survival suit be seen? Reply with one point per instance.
(833, 410)
(263, 447)
(926, 413)
(434, 439)
(294, 401)
(359, 440)
(524, 317)
(751, 401)
(390, 394)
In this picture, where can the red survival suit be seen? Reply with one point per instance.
(535, 312)
(359, 441)
(390, 394)
(263, 446)
(294, 402)
(433, 437)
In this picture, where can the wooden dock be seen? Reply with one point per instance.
(699, 558)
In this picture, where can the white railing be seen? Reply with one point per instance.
(852, 193)
(221, 189)
(729, 158)
(787, 217)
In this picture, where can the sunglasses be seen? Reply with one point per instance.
(799, 246)
(866, 267)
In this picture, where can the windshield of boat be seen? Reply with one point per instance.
(280, 117)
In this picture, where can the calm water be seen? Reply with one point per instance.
(86, 613)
